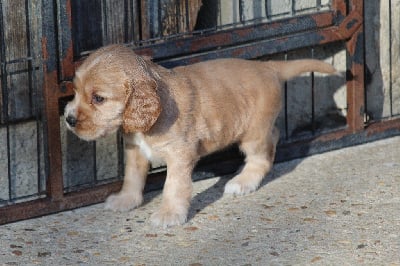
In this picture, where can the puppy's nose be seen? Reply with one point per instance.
(71, 121)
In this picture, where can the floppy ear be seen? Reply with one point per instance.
(142, 106)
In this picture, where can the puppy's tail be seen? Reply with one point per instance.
(289, 69)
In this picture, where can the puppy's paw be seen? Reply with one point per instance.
(236, 187)
(168, 217)
(123, 201)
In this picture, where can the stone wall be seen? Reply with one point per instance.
(382, 58)
(21, 145)
(259, 9)
(83, 162)
(25, 162)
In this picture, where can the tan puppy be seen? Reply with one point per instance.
(179, 115)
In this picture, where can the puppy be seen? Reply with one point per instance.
(179, 115)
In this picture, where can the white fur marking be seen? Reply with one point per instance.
(233, 188)
(143, 146)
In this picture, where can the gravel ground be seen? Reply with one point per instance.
(336, 208)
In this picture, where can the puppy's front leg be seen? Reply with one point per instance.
(131, 194)
(177, 194)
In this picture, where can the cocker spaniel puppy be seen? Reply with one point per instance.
(179, 115)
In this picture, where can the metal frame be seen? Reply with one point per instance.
(343, 23)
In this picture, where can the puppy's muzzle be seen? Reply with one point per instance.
(71, 120)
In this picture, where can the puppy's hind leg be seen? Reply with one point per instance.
(260, 155)
(131, 194)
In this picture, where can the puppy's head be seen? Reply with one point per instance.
(114, 87)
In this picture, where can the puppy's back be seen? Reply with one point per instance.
(231, 95)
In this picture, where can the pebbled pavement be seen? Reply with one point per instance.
(337, 208)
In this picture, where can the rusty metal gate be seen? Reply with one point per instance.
(67, 173)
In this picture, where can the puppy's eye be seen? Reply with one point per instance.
(97, 99)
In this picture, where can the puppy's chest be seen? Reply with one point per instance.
(151, 152)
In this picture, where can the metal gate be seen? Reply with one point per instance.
(70, 173)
